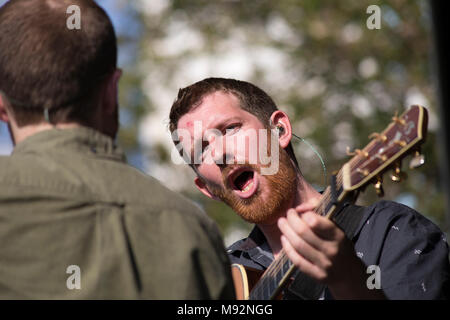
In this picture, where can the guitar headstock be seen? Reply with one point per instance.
(403, 136)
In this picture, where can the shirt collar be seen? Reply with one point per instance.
(81, 140)
(256, 247)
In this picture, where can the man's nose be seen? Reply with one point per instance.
(218, 152)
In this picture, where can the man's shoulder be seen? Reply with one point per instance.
(398, 222)
(391, 212)
(144, 193)
(88, 178)
(11, 167)
(4, 160)
(141, 188)
(391, 206)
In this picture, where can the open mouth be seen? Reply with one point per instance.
(244, 182)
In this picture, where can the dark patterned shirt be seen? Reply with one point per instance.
(409, 251)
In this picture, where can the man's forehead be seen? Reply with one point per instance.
(213, 108)
(190, 120)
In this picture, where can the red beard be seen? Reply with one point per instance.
(279, 192)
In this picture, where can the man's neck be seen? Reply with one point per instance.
(24, 132)
(305, 194)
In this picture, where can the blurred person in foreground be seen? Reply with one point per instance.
(216, 122)
(77, 222)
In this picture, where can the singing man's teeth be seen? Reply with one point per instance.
(248, 187)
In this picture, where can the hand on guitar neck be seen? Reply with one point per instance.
(320, 249)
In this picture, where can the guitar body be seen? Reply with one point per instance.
(244, 279)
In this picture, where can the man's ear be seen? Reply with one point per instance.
(280, 121)
(3, 113)
(201, 185)
(111, 92)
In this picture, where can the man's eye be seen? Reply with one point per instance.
(232, 128)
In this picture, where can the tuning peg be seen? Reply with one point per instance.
(349, 153)
(379, 187)
(378, 136)
(401, 143)
(417, 160)
(362, 172)
(382, 157)
(398, 120)
(358, 152)
(398, 175)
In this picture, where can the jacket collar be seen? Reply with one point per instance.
(81, 140)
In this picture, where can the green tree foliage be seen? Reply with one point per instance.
(338, 80)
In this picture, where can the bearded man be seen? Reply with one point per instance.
(410, 251)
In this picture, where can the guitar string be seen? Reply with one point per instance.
(262, 284)
(268, 277)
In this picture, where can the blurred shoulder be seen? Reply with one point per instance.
(152, 191)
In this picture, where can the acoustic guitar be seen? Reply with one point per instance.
(403, 136)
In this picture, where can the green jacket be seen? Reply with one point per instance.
(77, 222)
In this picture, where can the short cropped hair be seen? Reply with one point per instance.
(46, 65)
(251, 98)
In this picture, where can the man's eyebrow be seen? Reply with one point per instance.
(220, 124)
